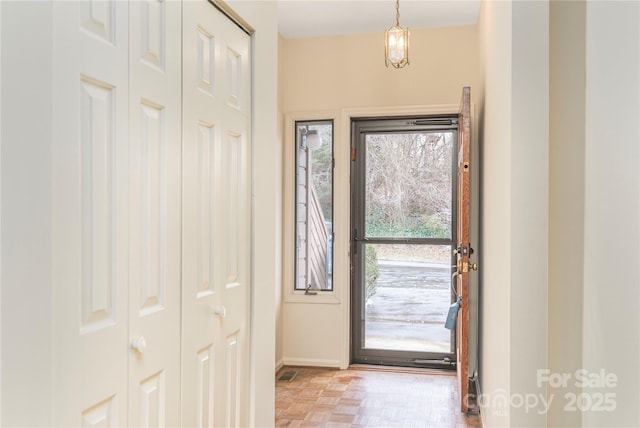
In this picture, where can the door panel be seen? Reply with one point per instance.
(155, 160)
(90, 220)
(205, 380)
(103, 414)
(96, 193)
(216, 209)
(152, 401)
(464, 251)
(403, 200)
(201, 260)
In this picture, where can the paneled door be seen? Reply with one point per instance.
(90, 213)
(116, 224)
(155, 138)
(216, 218)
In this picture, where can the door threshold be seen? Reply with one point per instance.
(400, 369)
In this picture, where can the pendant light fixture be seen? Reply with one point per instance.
(310, 139)
(313, 140)
(396, 43)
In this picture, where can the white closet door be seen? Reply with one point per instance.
(216, 218)
(155, 220)
(90, 219)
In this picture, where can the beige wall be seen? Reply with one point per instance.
(278, 292)
(566, 197)
(331, 77)
(611, 324)
(495, 255)
(278, 356)
(529, 195)
(267, 207)
(584, 316)
(337, 72)
(514, 214)
(27, 346)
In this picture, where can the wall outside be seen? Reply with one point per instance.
(332, 74)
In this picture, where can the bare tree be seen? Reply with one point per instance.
(409, 184)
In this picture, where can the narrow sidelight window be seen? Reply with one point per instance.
(314, 205)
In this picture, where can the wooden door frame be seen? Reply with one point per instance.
(464, 249)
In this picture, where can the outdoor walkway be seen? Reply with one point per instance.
(410, 307)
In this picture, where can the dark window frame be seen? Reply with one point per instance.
(298, 287)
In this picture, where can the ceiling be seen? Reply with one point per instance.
(319, 18)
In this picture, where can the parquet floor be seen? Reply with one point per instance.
(367, 397)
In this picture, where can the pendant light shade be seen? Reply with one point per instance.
(396, 43)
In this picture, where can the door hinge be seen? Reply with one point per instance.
(355, 242)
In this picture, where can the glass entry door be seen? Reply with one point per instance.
(403, 205)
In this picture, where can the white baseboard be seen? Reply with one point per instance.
(312, 362)
(279, 365)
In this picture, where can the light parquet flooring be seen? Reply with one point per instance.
(367, 397)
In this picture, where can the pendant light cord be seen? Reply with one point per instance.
(397, 13)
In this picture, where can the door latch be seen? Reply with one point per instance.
(464, 250)
(463, 267)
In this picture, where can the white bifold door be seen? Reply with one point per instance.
(216, 214)
(154, 212)
(91, 199)
(151, 214)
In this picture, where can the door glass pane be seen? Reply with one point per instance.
(408, 185)
(407, 296)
